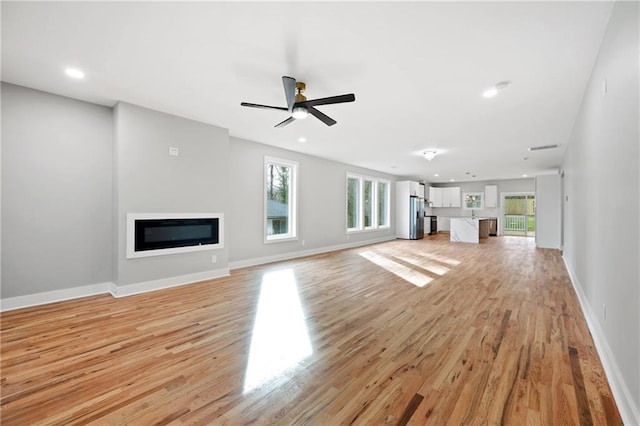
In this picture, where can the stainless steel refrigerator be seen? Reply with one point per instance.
(416, 218)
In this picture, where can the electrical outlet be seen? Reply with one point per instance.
(604, 86)
(303, 241)
(604, 311)
(214, 258)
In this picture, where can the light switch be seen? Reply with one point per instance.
(173, 151)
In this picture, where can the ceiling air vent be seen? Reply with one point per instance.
(540, 148)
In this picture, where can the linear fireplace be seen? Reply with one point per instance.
(154, 234)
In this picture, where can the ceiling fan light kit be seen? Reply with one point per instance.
(299, 106)
(299, 113)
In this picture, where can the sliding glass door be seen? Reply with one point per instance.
(520, 215)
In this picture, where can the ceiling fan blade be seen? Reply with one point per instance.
(321, 116)
(330, 100)
(289, 84)
(285, 122)
(247, 104)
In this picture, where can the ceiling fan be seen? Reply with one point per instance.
(299, 106)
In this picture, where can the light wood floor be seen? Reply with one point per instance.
(495, 335)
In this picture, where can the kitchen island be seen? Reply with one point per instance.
(469, 229)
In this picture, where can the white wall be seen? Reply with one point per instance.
(548, 220)
(56, 192)
(149, 180)
(321, 205)
(602, 183)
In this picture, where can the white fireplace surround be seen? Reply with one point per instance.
(132, 217)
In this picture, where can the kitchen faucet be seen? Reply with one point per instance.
(473, 213)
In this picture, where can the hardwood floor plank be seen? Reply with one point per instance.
(494, 336)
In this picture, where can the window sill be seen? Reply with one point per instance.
(359, 231)
(280, 239)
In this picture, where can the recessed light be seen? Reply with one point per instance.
(452, 180)
(490, 93)
(74, 73)
(394, 167)
(524, 175)
(302, 139)
(436, 175)
(493, 91)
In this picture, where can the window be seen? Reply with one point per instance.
(280, 199)
(473, 200)
(367, 203)
(353, 203)
(383, 204)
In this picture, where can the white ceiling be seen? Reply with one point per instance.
(417, 69)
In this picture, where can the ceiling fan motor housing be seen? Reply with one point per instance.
(300, 88)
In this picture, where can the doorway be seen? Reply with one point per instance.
(519, 215)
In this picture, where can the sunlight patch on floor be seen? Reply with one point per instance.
(426, 265)
(280, 338)
(416, 278)
(441, 259)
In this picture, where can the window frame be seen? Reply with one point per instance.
(464, 203)
(292, 235)
(387, 206)
(360, 203)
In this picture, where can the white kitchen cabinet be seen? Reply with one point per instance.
(445, 197)
(435, 196)
(451, 197)
(490, 196)
(414, 189)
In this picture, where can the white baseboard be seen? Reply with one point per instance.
(44, 298)
(294, 255)
(629, 410)
(36, 299)
(147, 286)
(115, 290)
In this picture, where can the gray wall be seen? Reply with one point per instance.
(509, 185)
(83, 167)
(548, 213)
(321, 203)
(56, 192)
(149, 180)
(602, 183)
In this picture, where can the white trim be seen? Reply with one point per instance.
(292, 235)
(360, 227)
(464, 204)
(46, 297)
(163, 283)
(132, 217)
(294, 255)
(629, 412)
(502, 197)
